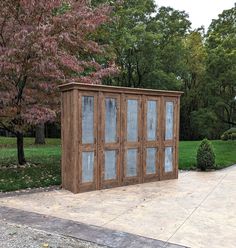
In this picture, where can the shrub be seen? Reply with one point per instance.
(205, 155)
(232, 130)
(224, 136)
(229, 134)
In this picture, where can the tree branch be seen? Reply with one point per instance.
(4, 127)
(226, 121)
(3, 43)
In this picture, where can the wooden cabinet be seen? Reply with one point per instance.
(114, 136)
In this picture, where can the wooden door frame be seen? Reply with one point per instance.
(170, 143)
(152, 144)
(102, 146)
(88, 147)
(129, 145)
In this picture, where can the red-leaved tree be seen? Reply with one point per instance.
(42, 44)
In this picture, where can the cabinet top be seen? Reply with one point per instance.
(117, 89)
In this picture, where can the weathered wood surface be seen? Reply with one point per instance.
(114, 136)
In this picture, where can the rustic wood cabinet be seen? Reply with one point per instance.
(114, 136)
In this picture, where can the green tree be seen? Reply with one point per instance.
(193, 84)
(221, 66)
(147, 43)
(172, 26)
(131, 39)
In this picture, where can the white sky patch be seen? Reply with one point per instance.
(201, 12)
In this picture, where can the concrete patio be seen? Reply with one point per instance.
(197, 210)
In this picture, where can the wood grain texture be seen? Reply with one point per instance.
(151, 143)
(73, 147)
(109, 146)
(115, 89)
(69, 138)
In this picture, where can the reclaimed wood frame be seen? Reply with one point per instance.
(72, 147)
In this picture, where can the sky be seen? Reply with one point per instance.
(201, 12)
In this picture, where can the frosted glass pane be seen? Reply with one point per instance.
(151, 120)
(132, 120)
(87, 166)
(110, 124)
(169, 120)
(151, 161)
(110, 165)
(131, 164)
(87, 119)
(168, 159)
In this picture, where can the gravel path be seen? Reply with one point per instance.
(16, 236)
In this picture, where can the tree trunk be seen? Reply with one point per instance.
(39, 134)
(20, 148)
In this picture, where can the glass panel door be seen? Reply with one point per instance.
(151, 144)
(88, 144)
(132, 129)
(170, 130)
(110, 140)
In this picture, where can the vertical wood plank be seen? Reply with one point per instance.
(122, 141)
(100, 141)
(76, 137)
(69, 140)
(162, 137)
(177, 137)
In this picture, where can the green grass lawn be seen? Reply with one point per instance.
(225, 153)
(44, 161)
(43, 169)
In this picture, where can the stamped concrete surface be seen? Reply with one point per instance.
(197, 210)
(93, 235)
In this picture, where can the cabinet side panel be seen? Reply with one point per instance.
(69, 140)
